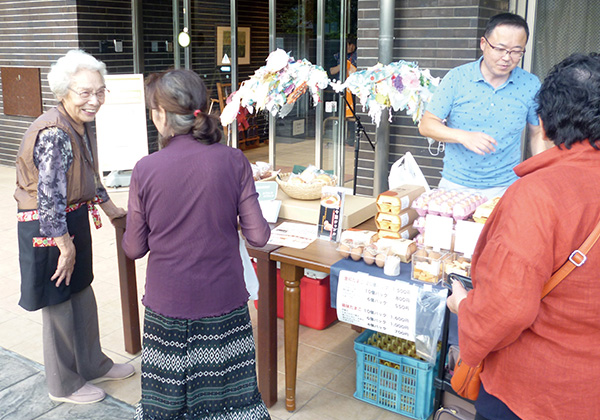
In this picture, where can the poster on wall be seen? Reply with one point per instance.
(121, 123)
(224, 45)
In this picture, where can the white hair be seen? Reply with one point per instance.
(61, 72)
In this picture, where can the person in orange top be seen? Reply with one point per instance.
(351, 57)
(541, 357)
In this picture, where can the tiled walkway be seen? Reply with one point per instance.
(23, 395)
(326, 359)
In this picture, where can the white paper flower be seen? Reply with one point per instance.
(397, 86)
(231, 110)
(276, 86)
(277, 60)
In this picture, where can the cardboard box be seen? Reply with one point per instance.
(395, 222)
(356, 209)
(407, 232)
(399, 199)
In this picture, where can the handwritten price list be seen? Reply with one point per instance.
(378, 304)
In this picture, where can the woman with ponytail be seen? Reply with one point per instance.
(185, 204)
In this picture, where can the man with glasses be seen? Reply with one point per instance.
(481, 108)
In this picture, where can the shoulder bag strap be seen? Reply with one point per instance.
(576, 259)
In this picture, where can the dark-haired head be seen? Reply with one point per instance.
(569, 101)
(183, 96)
(509, 19)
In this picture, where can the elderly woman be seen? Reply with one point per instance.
(57, 182)
(540, 357)
(185, 201)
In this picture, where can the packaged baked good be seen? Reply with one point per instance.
(388, 221)
(395, 222)
(483, 211)
(427, 265)
(358, 235)
(399, 199)
(457, 263)
(400, 247)
(407, 232)
(263, 171)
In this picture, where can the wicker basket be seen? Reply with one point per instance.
(269, 178)
(310, 191)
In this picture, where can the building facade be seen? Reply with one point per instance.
(437, 34)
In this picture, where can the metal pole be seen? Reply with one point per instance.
(187, 23)
(272, 45)
(386, 53)
(320, 62)
(176, 50)
(137, 36)
(234, 66)
(338, 157)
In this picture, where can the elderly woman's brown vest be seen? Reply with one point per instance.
(81, 176)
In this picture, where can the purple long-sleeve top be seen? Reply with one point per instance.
(184, 204)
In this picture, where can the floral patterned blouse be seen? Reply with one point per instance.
(53, 157)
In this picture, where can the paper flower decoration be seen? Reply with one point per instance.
(276, 86)
(398, 86)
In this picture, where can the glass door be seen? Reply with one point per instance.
(311, 135)
(295, 135)
(339, 123)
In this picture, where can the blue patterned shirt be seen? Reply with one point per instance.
(468, 102)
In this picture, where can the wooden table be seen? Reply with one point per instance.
(266, 348)
(319, 256)
(266, 337)
(129, 296)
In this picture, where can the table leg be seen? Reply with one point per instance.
(291, 275)
(129, 297)
(266, 349)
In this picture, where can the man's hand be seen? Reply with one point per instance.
(479, 143)
(66, 260)
(435, 128)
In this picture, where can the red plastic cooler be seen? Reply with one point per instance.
(315, 302)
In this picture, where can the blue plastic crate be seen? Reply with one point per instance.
(405, 388)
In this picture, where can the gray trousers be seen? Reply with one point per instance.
(71, 341)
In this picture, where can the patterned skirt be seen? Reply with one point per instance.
(201, 369)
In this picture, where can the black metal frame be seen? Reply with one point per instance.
(359, 129)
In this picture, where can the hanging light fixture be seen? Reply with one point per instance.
(184, 38)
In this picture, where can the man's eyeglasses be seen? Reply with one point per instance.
(516, 54)
(86, 94)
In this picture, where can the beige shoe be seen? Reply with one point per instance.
(87, 394)
(117, 372)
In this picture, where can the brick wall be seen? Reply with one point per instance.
(438, 35)
(33, 34)
(36, 33)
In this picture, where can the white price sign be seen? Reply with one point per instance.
(379, 304)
